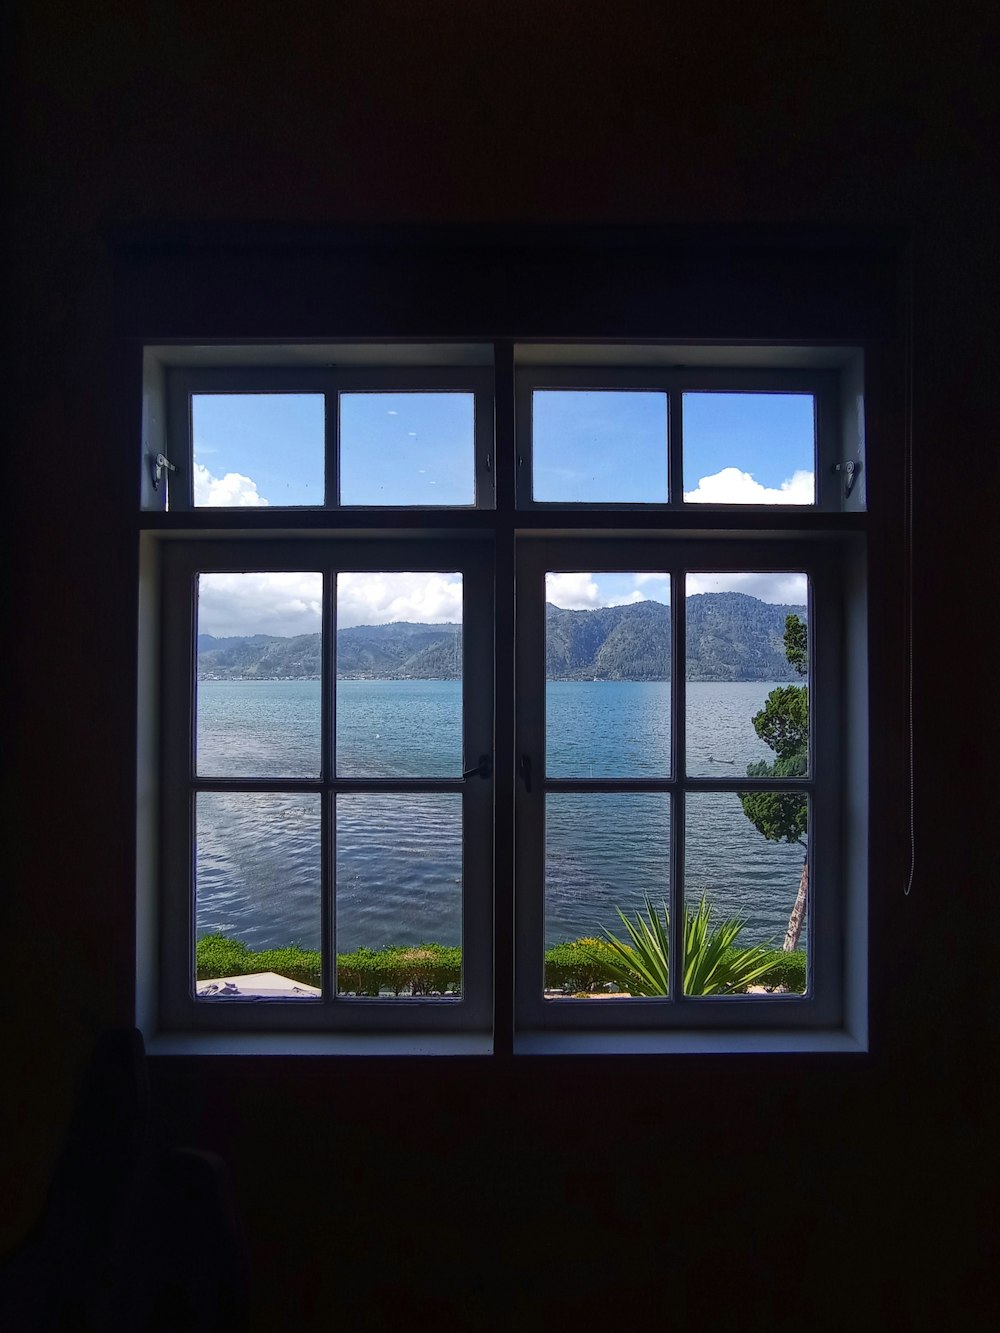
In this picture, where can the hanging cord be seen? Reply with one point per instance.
(908, 558)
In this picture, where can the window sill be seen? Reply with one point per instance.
(689, 1043)
(318, 1044)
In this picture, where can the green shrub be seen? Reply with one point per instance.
(712, 963)
(218, 956)
(785, 969)
(579, 966)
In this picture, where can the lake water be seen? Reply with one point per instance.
(398, 855)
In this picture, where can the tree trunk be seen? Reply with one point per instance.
(798, 912)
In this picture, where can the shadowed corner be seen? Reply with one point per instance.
(135, 1234)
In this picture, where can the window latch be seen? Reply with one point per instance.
(850, 470)
(160, 462)
(524, 768)
(482, 770)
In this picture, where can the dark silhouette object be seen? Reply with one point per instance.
(134, 1235)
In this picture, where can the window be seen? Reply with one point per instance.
(471, 682)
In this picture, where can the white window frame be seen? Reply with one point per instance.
(821, 1006)
(502, 538)
(822, 385)
(185, 381)
(180, 1007)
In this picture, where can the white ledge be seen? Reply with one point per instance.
(318, 1044)
(802, 1041)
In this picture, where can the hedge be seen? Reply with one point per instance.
(424, 969)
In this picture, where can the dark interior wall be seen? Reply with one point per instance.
(807, 1193)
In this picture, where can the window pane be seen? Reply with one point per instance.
(254, 449)
(407, 449)
(399, 675)
(747, 865)
(599, 446)
(607, 671)
(749, 448)
(257, 895)
(259, 669)
(603, 852)
(399, 893)
(747, 691)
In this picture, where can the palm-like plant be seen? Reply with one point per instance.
(713, 965)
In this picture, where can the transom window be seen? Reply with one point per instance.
(505, 698)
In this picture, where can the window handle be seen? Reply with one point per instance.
(482, 770)
(524, 768)
(158, 463)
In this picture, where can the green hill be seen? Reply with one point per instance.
(730, 636)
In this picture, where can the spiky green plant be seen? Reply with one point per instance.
(712, 963)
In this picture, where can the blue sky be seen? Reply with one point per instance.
(417, 448)
(600, 447)
(754, 448)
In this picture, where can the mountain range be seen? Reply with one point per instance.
(730, 636)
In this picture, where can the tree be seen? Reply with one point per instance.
(783, 726)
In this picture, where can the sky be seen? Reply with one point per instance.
(291, 603)
(418, 448)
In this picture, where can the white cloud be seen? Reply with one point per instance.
(289, 604)
(574, 592)
(731, 486)
(780, 586)
(269, 603)
(232, 490)
(377, 599)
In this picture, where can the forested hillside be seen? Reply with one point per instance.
(730, 636)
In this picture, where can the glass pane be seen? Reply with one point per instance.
(255, 449)
(749, 448)
(259, 668)
(603, 852)
(599, 446)
(747, 674)
(407, 449)
(257, 895)
(399, 675)
(607, 674)
(745, 866)
(399, 893)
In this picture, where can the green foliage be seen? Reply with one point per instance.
(787, 970)
(582, 966)
(713, 964)
(783, 722)
(415, 970)
(579, 965)
(796, 644)
(218, 956)
(783, 726)
(779, 816)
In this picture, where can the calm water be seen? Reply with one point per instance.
(398, 856)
